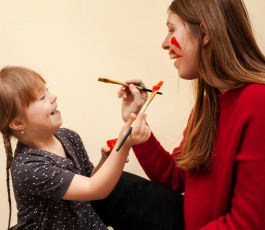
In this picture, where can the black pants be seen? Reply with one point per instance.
(139, 204)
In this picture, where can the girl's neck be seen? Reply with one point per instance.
(51, 144)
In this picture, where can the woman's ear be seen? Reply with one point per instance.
(17, 124)
(205, 35)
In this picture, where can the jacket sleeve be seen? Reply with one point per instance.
(159, 165)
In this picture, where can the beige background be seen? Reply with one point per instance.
(72, 43)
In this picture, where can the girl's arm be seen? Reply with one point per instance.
(105, 151)
(106, 177)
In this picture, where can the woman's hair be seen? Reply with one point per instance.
(232, 55)
(18, 88)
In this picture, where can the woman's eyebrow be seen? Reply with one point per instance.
(169, 23)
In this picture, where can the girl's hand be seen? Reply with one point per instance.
(132, 99)
(105, 151)
(110, 144)
(140, 131)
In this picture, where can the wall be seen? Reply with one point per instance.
(72, 43)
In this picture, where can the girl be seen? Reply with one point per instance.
(52, 176)
(220, 163)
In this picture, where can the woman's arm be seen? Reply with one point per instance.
(159, 165)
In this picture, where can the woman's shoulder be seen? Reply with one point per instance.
(254, 88)
(252, 98)
(253, 93)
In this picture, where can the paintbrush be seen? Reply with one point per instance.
(106, 80)
(150, 98)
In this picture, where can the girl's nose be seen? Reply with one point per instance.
(53, 97)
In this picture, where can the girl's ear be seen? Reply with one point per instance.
(17, 124)
(205, 36)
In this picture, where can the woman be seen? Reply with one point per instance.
(220, 163)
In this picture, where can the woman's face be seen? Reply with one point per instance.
(182, 47)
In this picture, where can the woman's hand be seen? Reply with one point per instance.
(132, 99)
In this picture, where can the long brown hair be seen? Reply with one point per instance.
(232, 55)
(18, 86)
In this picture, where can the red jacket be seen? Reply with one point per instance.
(232, 194)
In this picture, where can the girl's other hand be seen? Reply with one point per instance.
(132, 98)
(111, 144)
(105, 151)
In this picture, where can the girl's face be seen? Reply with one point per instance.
(182, 47)
(42, 115)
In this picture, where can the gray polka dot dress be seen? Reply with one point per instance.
(40, 180)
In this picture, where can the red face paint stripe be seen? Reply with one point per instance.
(175, 42)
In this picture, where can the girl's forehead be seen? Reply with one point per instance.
(38, 90)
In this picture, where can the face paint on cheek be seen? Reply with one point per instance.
(175, 43)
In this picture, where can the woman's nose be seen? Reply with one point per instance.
(165, 44)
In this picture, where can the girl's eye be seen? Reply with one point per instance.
(43, 97)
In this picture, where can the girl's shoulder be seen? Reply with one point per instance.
(66, 131)
(65, 134)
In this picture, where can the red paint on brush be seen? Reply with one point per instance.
(175, 42)
(111, 143)
(157, 86)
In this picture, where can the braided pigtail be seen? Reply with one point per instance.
(18, 87)
(9, 158)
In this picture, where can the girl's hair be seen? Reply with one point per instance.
(233, 56)
(18, 88)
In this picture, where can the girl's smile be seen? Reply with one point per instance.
(42, 115)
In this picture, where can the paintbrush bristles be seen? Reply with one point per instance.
(106, 80)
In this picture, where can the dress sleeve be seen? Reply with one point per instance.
(37, 176)
(159, 165)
